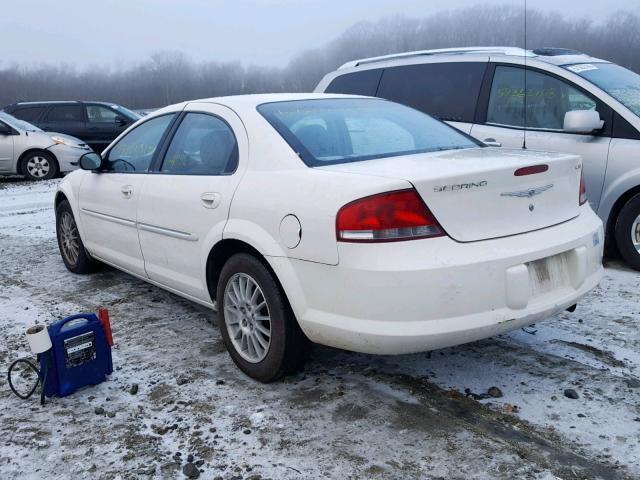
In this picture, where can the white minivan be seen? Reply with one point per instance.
(574, 104)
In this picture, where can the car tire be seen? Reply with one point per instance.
(39, 165)
(627, 231)
(72, 250)
(247, 294)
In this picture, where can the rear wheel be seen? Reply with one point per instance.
(72, 250)
(256, 322)
(627, 232)
(39, 166)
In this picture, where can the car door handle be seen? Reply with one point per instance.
(491, 142)
(127, 191)
(210, 199)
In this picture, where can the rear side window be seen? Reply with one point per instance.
(358, 83)
(447, 91)
(134, 152)
(202, 145)
(65, 113)
(28, 114)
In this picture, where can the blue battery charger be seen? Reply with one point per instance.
(80, 355)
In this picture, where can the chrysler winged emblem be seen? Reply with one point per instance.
(532, 192)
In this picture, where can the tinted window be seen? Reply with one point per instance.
(548, 99)
(448, 91)
(324, 132)
(134, 152)
(100, 114)
(28, 114)
(202, 145)
(359, 83)
(65, 113)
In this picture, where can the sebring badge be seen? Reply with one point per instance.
(532, 192)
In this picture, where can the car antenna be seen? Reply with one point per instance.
(524, 139)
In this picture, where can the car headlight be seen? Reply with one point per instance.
(65, 141)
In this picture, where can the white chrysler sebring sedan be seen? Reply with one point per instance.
(348, 221)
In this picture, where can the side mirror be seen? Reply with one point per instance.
(582, 121)
(121, 121)
(90, 161)
(5, 129)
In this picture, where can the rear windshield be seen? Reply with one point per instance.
(342, 130)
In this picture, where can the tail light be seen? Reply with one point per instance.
(386, 217)
(583, 190)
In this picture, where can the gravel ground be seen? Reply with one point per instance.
(176, 403)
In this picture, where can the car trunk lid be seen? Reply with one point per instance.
(475, 194)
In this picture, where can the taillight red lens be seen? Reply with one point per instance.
(386, 217)
(583, 191)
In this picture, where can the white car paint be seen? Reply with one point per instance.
(386, 298)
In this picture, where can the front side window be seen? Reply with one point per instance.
(324, 132)
(202, 145)
(100, 114)
(134, 152)
(547, 100)
(447, 91)
(617, 81)
(65, 113)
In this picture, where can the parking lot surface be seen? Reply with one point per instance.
(498, 408)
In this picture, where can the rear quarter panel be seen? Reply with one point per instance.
(263, 199)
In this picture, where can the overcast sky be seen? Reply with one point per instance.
(265, 32)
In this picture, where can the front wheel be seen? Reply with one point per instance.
(627, 231)
(39, 166)
(72, 250)
(256, 322)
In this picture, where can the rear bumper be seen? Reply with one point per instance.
(421, 295)
(67, 156)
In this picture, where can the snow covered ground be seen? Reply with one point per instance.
(346, 416)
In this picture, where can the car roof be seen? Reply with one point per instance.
(59, 102)
(551, 55)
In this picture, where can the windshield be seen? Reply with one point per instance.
(617, 81)
(129, 113)
(17, 123)
(341, 130)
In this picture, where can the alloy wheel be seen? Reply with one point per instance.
(247, 317)
(38, 166)
(635, 233)
(69, 238)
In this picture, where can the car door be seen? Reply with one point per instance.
(109, 198)
(65, 118)
(103, 125)
(548, 99)
(185, 204)
(6, 148)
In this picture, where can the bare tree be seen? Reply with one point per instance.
(169, 77)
